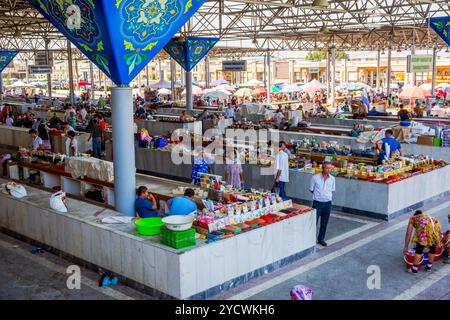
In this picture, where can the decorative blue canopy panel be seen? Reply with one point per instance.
(119, 36)
(188, 52)
(442, 27)
(6, 57)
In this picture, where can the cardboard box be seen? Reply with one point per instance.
(425, 140)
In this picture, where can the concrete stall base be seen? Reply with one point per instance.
(378, 200)
(194, 273)
(16, 136)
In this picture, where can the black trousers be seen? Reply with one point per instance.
(323, 210)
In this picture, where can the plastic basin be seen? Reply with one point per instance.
(149, 226)
(178, 222)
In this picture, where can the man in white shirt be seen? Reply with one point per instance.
(322, 187)
(71, 144)
(37, 141)
(282, 169)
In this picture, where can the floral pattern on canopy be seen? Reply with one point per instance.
(441, 25)
(6, 56)
(188, 52)
(119, 36)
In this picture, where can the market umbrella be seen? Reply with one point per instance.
(252, 84)
(219, 82)
(275, 89)
(19, 84)
(425, 86)
(313, 86)
(342, 86)
(243, 92)
(196, 91)
(445, 87)
(226, 87)
(83, 83)
(38, 84)
(161, 84)
(260, 91)
(217, 94)
(356, 87)
(414, 93)
(290, 88)
(164, 92)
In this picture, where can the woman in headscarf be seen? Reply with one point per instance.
(234, 175)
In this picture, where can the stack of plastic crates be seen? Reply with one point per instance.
(178, 239)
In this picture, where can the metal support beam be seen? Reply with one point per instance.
(173, 77)
(333, 76)
(123, 150)
(71, 89)
(433, 72)
(189, 100)
(49, 75)
(388, 72)
(378, 69)
(91, 69)
(327, 73)
(207, 75)
(269, 76)
(147, 75)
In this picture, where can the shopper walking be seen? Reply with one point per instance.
(322, 187)
(96, 136)
(282, 169)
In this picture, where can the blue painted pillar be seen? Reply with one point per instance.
(123, 150)
(189, 102)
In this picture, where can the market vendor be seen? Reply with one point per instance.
(71, 144)
(55, 122)
(345, 107)
(183, 205)
(356, 130)
(200, 165)
(37, 141)
(281, 169)
(234, 175)
(403, 114)
(145, 203)
(388, 146)
(427, 234)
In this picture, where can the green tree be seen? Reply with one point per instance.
(322, 55)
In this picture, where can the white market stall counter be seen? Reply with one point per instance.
(19, 137)
(193, 273)
(378, 200)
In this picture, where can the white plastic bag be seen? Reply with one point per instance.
(14, 189)
(57, 201)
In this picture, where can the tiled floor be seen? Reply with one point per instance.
(340, 271)
(336, 272)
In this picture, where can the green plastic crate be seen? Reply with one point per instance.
(437, 142)
(178, 239)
